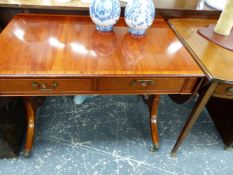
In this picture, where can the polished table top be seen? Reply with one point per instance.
(56, 45)
(216, 61)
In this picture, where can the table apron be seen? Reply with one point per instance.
(73, 86)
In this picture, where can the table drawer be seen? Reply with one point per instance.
(160, 85)
(224, 90)
(45, 86)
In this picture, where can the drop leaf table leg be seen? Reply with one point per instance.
(197, 109)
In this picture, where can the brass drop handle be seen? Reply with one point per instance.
(44, 87)
(229, 90)
(143, 83)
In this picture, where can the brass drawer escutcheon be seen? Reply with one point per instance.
(44, 86)
(143, 83)
(229, 90)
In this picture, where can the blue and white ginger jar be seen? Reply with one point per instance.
(139, 15)
(105, 13)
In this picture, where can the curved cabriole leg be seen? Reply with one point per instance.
(153, 122)
(30, 126)
(31, 105)
(153, 102)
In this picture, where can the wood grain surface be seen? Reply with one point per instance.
(70, 46)
(216, 61)
(221, 40)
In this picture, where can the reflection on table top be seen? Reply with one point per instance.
(72, 4)
(216, 61)
(70, 45)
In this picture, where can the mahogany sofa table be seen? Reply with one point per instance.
(217, 63)
(47, 55)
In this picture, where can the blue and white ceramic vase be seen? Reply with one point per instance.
(139, 15)
(105, 13)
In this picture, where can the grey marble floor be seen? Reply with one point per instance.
(111, 135)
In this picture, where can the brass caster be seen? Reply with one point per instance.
(154, 148)
(226, 148)
(26, 153)
(173, 155)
